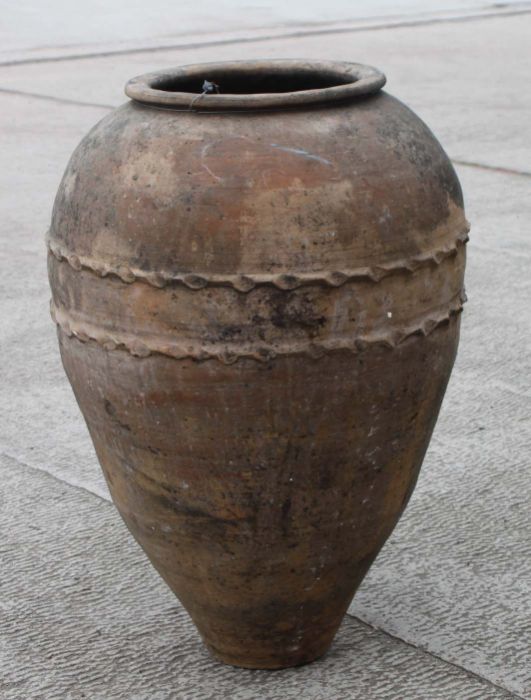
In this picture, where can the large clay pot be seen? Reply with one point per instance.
(257, 295)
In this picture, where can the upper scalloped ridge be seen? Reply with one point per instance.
(247, 282)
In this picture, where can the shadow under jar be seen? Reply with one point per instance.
(257, 283)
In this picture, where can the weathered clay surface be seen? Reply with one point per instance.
(259, 312)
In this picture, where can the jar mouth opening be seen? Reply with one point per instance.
(255, 84)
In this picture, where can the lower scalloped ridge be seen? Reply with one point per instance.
(86, 332)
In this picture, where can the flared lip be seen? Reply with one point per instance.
(342, 81)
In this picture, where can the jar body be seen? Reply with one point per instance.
(259, 313)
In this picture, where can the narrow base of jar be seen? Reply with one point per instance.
(270, 662)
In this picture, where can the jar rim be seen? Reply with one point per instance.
(243, 85)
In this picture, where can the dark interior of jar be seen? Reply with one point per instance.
(254, 82)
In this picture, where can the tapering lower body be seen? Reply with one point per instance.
(263, 491)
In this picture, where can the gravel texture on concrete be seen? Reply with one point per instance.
(84, 615)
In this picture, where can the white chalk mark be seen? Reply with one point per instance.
(301, 152)
(204, 151)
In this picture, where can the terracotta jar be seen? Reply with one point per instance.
(257, 274)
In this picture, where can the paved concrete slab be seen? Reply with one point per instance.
(466, 79)
(67, 27)
(455, 577)
(40, 421)
(83, 615)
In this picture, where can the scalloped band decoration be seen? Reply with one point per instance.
(86, 332)
(245, 283)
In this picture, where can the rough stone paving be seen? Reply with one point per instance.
(445, 611)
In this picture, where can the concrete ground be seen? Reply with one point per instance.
(445, 611)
